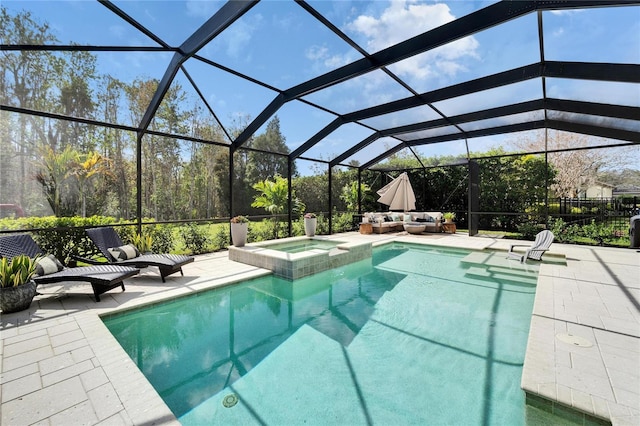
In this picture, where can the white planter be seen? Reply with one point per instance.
(310, 226)
(239, 234)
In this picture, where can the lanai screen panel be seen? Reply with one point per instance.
(279, 43)
(233, 99)
(299, 121)
(338, 141)
(174, 22)
(373, 150)
(577, 35)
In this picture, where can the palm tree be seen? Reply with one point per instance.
(93, 165)
(56, 168)
(273, 196)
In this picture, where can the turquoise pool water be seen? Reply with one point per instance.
(300, 246)
(414, 335)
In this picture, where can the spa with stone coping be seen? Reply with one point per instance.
(301, 264)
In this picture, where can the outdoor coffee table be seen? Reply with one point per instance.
(414, 228)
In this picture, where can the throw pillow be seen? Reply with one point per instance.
(420, 219)
(126, 252)
(407, 218)
(48, 265)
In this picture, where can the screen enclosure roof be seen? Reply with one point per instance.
(353, 83)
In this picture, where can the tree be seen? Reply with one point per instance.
(261, 165)
(273, 196)
(579, 168)
(26, 83)
(85, 170)
(53, 175)
(350, 195)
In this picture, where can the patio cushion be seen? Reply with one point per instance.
(48, 265)
(125, 252)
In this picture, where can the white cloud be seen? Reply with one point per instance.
(566, 11)
(404, 19)
(321, 55)
(202, 9)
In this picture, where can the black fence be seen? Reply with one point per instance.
(582, 211)
(615, 212)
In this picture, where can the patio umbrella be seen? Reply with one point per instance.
(398, 194)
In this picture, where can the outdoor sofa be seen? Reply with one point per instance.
(383, 222)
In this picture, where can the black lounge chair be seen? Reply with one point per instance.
(101, 277)
(106, 238)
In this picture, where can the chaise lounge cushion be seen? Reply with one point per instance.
(48, 265)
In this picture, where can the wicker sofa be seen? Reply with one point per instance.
(382, 222)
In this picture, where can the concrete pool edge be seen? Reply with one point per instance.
(579, 381)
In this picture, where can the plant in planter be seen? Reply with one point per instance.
(143, 242)
(239, 227)
(449, 217)
(17, 289)
(310, 223)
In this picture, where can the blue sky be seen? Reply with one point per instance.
(281, 44)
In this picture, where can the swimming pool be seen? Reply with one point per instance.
(413, 335)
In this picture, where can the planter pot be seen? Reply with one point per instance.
(239, 234)
(448, 221)
(310, 227)
(15, 299)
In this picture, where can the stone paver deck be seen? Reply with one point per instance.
(60, 365)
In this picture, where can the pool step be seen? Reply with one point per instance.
(502, 274)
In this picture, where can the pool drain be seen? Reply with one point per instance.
(230, 400)
(574, 340)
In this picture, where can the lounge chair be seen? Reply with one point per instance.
(540, 245)
(108, 241)
(101, 277)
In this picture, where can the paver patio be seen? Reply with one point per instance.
(60, 365)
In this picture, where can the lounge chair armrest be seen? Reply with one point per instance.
(518, 245)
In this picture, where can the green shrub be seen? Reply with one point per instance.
(163, 240)
(599, 232)
(221, 239)
(529, 230)
(342, 222)
(195, 238)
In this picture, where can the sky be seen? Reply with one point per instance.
(280, 44)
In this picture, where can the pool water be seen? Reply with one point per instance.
(410, 336)
(300, 246)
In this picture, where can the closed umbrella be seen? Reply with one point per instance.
(398, 194)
